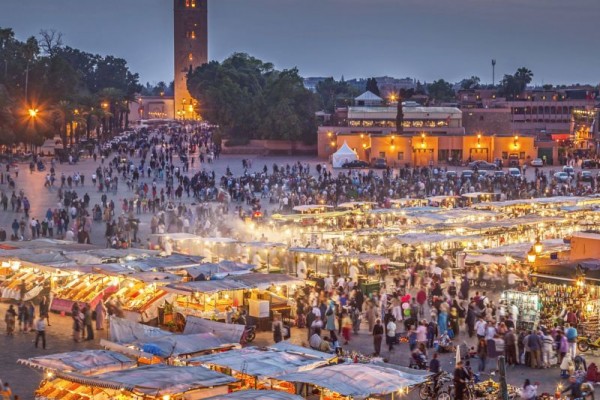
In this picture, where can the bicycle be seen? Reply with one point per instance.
(431, 388)
(450, 393)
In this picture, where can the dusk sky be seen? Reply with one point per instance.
(424, 39)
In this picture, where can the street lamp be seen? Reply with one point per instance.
(531, 256)
(537, 246)
(33, 112)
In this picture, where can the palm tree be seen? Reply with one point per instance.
(61, 116)
(523, 77)
(7, 135)
(112, 101)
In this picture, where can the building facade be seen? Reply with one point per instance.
(431, 136)
(191, 51)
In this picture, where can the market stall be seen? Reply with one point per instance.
(152, 345)
(206, 299)
(153, 382)
(257, 395)
(212, 271)
(266, 256)
(212, 248)
(356, 381)
(88, 362)
(86, 288)
(317, 260)
(525, 306)
(255, 367)
(141, 294)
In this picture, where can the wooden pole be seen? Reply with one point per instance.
(503, 385)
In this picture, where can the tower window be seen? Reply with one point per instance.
(190, 57)
(190, 34)
(190, 3)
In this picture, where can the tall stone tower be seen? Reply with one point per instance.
(191, 50)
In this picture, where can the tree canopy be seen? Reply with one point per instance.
(249, 99)
(334, 93)
(441, 90)
(513, 85)
(69, 87)
(372, 86)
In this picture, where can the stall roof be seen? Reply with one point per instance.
(83, 362)
(263, 281)
(519, 250)
(155, 277)
(180, 345)
(176, 236)
(417, 238)
(257, 395)
(158, 379)
(264, 245)
(309, 250)
(125, 331)
(353, 204)
(231, 333)
(571, 200)
(311, 207)
(112, 269)
(154, 341)
(477, 194)
(219, 270)
(511, 223)
(357, 380)
(174, 261)
(300, 217)
(265, 363)
(205, 286)
(373, 259)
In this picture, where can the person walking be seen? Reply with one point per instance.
(277, 330)
(571, 334)
(391, 333)
(87, 322)
(346, 327)
(535, 348)
(6, 392)
(100, 315)
(40, 328)
(482, 352)
(10, 318)
(377, 337)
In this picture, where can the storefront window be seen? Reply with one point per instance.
(443, 154)
(400, 156)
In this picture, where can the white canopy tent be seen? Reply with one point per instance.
(343, 155)
(359, 381)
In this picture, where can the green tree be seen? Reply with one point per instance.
(524, 77)
(513, 85)
(470, 83)
(372, 86)
(7, 120)
(332, 92)
(248, 99)
(440, 90)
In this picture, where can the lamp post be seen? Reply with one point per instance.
(531, 256)
(538, 246)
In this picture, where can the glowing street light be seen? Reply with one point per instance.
(33, 112)
(537, 246)
(531, 256)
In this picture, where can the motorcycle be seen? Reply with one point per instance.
(249, 334)
(585, 343)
